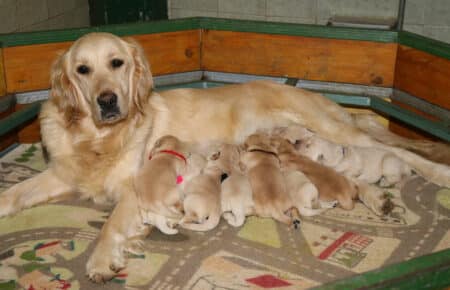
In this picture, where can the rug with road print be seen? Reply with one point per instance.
(46, 247)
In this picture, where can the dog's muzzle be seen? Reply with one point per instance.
(108, 105)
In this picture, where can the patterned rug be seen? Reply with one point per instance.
(46, 247)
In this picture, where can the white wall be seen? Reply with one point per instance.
(427, 17)
(32, 15)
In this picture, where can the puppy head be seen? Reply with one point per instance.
(103, 76)
(167, 142)
(322, 151)
(262, 142)
(293, 133)
(197, 210)
(227, 158)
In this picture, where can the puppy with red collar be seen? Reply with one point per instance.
(159, 182)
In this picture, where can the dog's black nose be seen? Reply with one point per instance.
(107, 100)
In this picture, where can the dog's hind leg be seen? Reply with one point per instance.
(435, 151)
(41, 188)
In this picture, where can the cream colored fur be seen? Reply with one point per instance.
(97, 158)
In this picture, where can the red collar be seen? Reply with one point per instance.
(171, 152)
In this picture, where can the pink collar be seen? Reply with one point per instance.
(171, 152)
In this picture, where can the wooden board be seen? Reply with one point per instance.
(2, 75)
(27, 67)
(9, 138)
(423, 75)
(409, 131)
(321, 59)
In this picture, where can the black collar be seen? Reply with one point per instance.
(263, 151)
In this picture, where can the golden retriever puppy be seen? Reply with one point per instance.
(371, 165)
(103, 117)
(262, 168)
(304, 194)
(236, 195)
(202, 208)
(330, 184)
(158, 183)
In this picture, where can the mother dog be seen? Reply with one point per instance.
(102, 117)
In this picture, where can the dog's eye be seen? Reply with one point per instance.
(207, 218)
(83, 69)
(116, 63)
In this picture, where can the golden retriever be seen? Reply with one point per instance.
(103, 117)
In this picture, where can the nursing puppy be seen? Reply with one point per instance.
(330, 184)
(263, 170)
(304, 194)
(202, 193)
(236, 197)
(371, 165)
(158, 183)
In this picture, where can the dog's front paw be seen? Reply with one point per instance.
(100, 274)
(104, 264)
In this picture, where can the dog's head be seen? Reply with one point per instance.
(102, 76)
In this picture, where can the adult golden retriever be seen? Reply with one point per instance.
(102, 118)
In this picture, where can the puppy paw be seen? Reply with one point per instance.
(387, 206)
(329, 204)
(231, 219)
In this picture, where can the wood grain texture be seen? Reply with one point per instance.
(27, 67)
(423, 75)
(2, 75)
(332, 60)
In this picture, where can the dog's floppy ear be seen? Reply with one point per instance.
(141, 78)
(63, 92)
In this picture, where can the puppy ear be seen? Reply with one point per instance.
(141, 79)
(63, 92)
(215, 156)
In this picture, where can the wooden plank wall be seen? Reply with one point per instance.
(422, 75)
(321, 59)
(27, 68)
(9, 138)
(2, 75)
